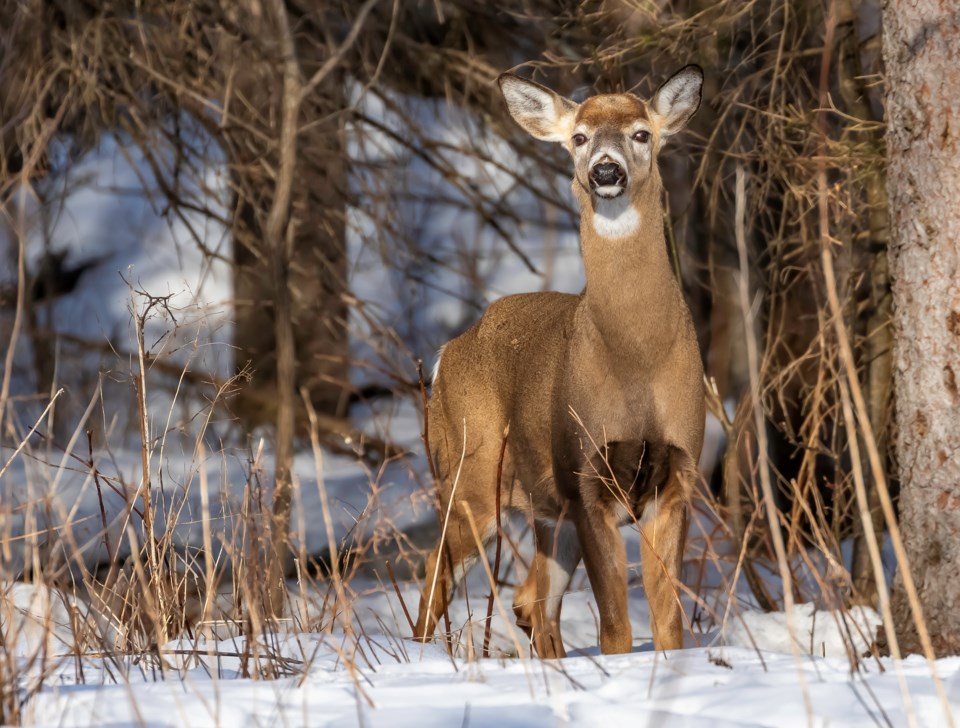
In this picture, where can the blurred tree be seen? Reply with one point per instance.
(312, 274)
(267, 84)
(80, 69)
(921, 48)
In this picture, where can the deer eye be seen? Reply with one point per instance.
(579, 140)
(642, 136)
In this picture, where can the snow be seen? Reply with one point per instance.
(376, 677)
(381, 681)
(39, 618)
(818, 632)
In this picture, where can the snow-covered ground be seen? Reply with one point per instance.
(741, 667)
(385, 681)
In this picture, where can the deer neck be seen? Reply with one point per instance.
(631, 295)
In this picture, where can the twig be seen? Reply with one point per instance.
(96, 481)
(33, 429)
(403, 604)
(425, 436)
(486, 567)
(337, 56)
(443, 532)
(341, 600)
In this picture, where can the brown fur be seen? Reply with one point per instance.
(616, 110)
(622, 359)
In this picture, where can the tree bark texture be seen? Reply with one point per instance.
(921, 48)
(316, 264)
(317, 273)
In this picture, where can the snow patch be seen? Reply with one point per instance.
(38, 617)
(818, 632)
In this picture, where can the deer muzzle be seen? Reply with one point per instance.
(608, 179)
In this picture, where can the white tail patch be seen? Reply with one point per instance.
(436, 365)
(615, 218)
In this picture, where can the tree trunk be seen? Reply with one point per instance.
(317, 276)
(317, 267)
(286, 167)
(921, 48)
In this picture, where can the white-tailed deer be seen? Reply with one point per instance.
(603, 392)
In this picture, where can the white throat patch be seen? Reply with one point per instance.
(615, 218)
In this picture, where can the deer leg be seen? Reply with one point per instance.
(446, 566)
(537, 601)
(663, 531)
(606, 561)
(437, 591)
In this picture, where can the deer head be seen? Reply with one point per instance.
(614, 139)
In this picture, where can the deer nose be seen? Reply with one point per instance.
(606, 173)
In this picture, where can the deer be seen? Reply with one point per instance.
(590, 406)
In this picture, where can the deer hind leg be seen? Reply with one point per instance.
(453, 556)
(537, 601)
(663, 531)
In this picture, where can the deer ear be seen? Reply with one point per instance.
(678, 99)
(543, 113)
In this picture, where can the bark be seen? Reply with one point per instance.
(316, 271)
(921, 48)
(280, 231)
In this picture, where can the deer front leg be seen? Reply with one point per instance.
(663, 531)
(605, 557)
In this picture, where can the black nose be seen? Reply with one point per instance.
(606, 173)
